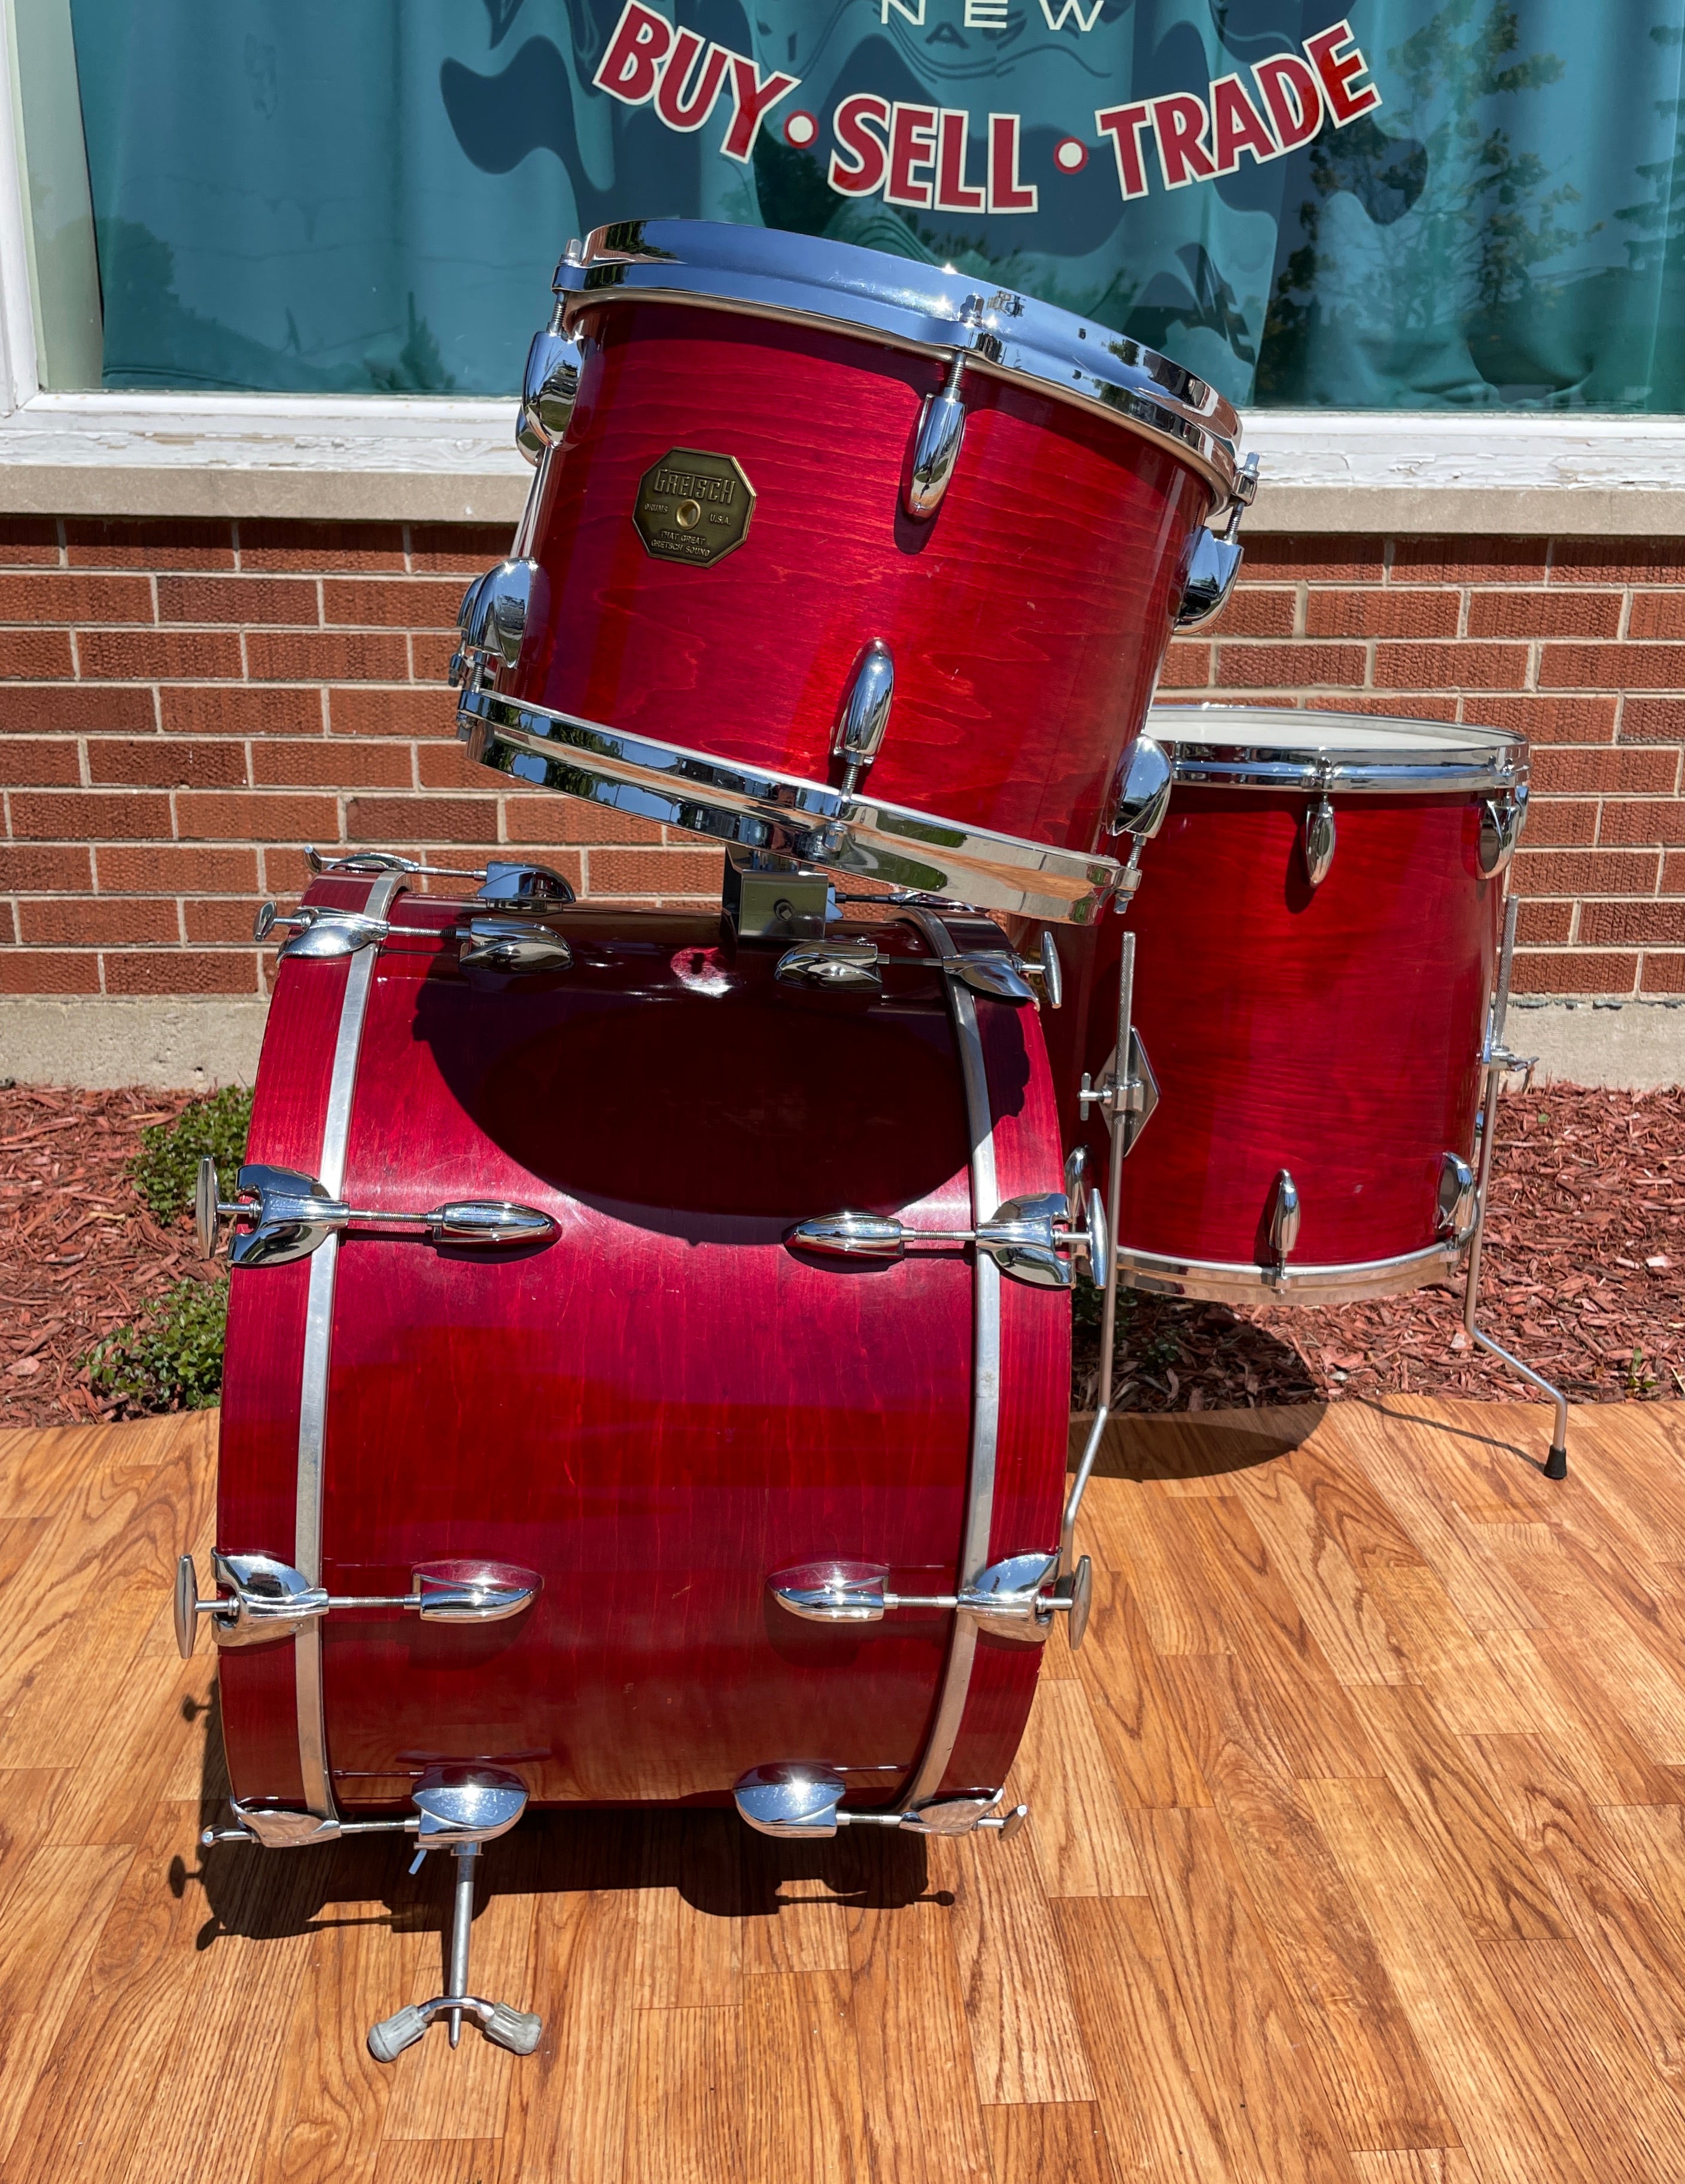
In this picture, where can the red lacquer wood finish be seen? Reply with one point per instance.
(665, 1404)
(1335, 1032)
(1027, 620)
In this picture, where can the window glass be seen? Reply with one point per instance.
(1473, 203)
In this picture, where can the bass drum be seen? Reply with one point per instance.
(606, 1379)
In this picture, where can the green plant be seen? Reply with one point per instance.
(172, 1361)
(167, 1166)
(1639, 1381)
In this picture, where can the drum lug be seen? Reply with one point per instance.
(267, 1599)
(505, 885)
(1127, 1105)
(509, 944)
(801, 1800)
(1017, 1598)
(1211, 576)
(829, 963)
(494, 612)
(789, 1800)
(1456, 1198)
(550, 388)
(292, 1216)
(464, 1591)
(1033, 1238)
(833, 1591)
(515, 887)
(1142, 793)
(1283, 1215)
(1217, 555)
(936, 444)
(1501, 822)
(858, 735)
(1319, 840)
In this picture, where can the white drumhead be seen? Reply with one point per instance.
(1276, 746)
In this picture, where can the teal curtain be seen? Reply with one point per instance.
(371, 197)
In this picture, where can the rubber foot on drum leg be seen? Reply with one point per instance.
(389, 2038)
(514, 2028)
(1556, 1462)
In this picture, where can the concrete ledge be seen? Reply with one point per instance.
(185, 1045)
(194, 1045)
(1638, 1045)
(452, 459)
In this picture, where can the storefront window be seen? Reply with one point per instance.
(1478, 203)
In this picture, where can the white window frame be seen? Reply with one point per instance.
(451, 459)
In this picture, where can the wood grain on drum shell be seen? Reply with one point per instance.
(665, 1405)
(1335, 1031)
(1027, 620)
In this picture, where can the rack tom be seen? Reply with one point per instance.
(848, 557)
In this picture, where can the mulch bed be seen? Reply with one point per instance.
(1584, 1272)
(1582, 1277)
(78, 1249)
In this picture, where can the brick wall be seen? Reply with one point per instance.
(184, 706)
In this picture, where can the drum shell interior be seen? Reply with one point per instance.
(663, 1406)
(1334, 1032)
(1027, 620)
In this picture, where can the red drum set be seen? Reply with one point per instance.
(648, 1353)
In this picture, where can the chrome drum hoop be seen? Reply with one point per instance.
(1247, 1283)
(1472, 762)
(781, 814)
(765, 273)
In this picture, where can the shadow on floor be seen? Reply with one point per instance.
(1194, 1445)
(1388, 1407)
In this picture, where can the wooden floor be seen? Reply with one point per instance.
(1358, 1853)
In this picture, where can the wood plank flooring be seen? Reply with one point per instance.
(1357, 1857)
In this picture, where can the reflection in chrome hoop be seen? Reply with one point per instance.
(761, 809)
(1250, 1284)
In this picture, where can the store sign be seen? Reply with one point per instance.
(921, 156)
